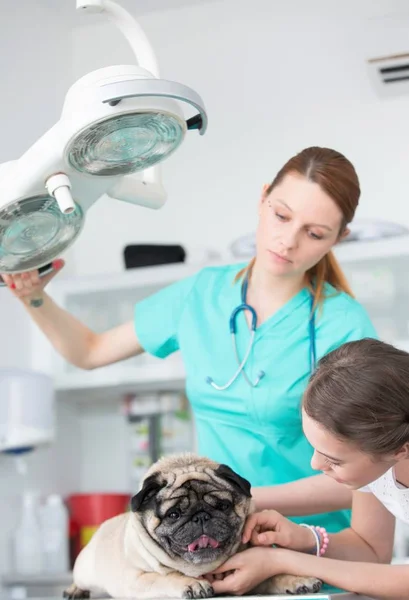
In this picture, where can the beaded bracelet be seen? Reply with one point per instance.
(321, 538)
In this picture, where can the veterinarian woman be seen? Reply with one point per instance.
(301, 308)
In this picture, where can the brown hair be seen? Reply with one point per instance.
(337, 177)
(360, 393)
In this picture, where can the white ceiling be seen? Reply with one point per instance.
(355, 9)
(135, 6)
(370, 9)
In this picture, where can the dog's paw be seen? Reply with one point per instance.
(75, 593)
(306, 585)
(290, 584)
(198, 589)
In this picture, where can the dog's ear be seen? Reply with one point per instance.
(150, 488)
(234, 478)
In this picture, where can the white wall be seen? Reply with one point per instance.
(32, 74)
(33, 86)
(276, 76)
(31, 93)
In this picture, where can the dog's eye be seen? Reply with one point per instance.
(173, 514)
(223, 506)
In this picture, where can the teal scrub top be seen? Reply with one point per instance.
(256, 431)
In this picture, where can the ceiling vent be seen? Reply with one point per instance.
(390, 74)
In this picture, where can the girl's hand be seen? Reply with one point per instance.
(270, 527)
(29, 285)
(244, 571)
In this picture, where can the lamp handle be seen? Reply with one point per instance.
(42, 271)
(113, 93)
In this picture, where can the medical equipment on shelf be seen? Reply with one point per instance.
(117, 124)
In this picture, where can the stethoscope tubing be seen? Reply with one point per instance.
(253, 326)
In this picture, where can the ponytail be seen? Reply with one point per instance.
(327, 270)
(243, 272)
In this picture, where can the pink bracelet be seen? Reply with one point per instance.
(322, 532)
(321, 538)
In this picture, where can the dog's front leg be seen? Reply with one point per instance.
(288, 584)
(142, 585)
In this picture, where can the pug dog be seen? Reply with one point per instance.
(186, 520)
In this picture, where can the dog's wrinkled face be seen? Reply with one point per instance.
(193, 508)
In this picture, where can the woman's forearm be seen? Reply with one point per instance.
(77, 343)
(348, 545)
(389, 582)
(69, 336)
(308, 496)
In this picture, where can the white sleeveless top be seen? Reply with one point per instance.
(391, 494)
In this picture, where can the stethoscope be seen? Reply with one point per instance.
(233, 330)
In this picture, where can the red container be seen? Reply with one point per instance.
(88, 511)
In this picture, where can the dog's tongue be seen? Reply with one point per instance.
(203, 542)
